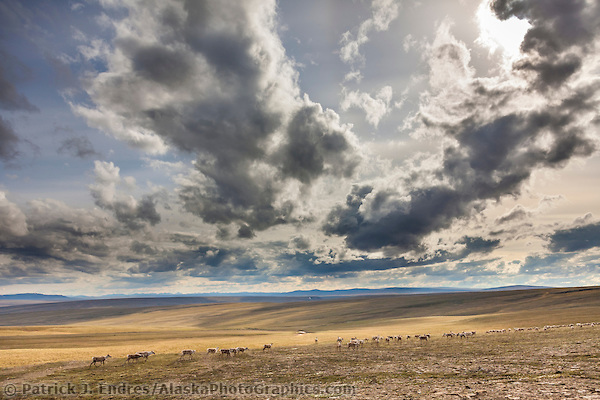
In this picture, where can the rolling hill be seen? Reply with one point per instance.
(542, 306)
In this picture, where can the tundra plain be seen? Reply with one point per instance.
(55, 346)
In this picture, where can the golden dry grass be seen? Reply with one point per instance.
(167, 330)
(22, 346)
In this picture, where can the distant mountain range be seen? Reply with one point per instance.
(296, 295)
(516, 287)
(34, 296)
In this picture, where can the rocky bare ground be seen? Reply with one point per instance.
(560, 363)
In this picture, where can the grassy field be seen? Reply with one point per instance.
(44, 347)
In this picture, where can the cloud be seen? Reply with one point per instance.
(135, 214)
(245, 232)
(550, 73)
(495, 132)
(448, 60)
(143, 248)
(395, 221)
(210, 81)
(540, 264)
(12, 70)
(586, 219)
(51, 238)
(556, 25)
(317, 144)
(383, 13)
(63, 75)
(495, 34)
(12, 219)
(308, 263)
(521, 215)
(378, 105)
(579, 238)
(204, 74)
(213, 80)
(9, 141)
(561, 33)
(375, 107)
(343, 220)
(78, 146)
(476, 245)
(409, 43)
(204, 261)
(517, 213)
(300, 242)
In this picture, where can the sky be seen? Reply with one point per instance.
(268, 146)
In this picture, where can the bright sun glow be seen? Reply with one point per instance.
(494, 33)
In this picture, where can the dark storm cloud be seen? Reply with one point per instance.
(404, 225)
(195, 258)
(235, 193)
(222, 233)
(134, 214)
(203, 261)
(561, 32)
(470, 245)
(494, 158)
(300, 243)
(143, 248)
(550, 72)
(477, 245)
(188, 240)
(579, 238)
(58, 239)
(235, 199)
(223, 48)
(343, 220)
(9, 141)
(221, 87)
(79, 146)
(557, 25)
(495, 146)
(11, 70)
(311, 144)
(491, 161)
(11, 271)
(307, 263)
(540, 264)
(245, 232)
(136, 217)
(162, 65)
(52, 237)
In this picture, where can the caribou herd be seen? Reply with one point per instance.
(99, 360)
(353, 344)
